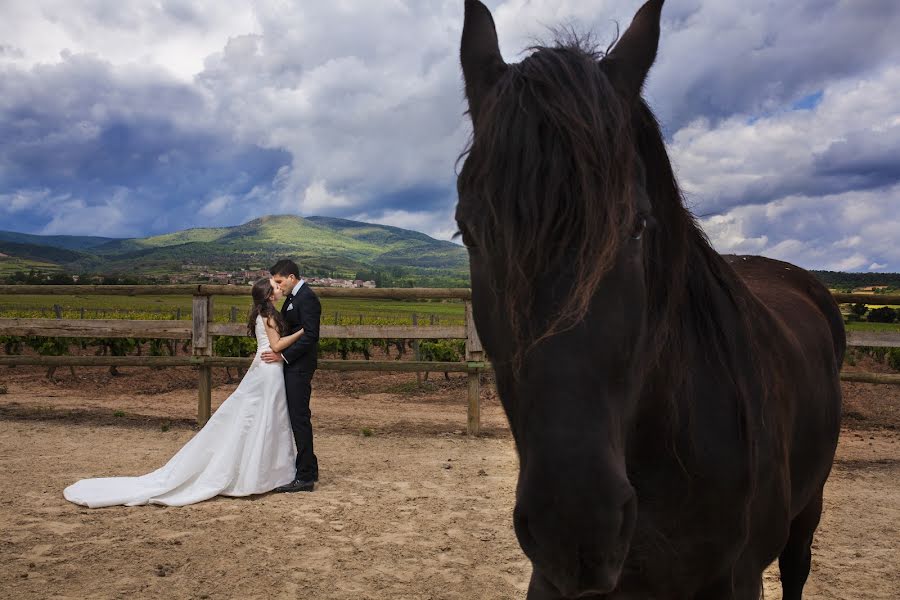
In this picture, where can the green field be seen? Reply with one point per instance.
(11, 264)
(334, 310)
(864, 326)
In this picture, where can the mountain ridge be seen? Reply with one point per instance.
(320, 245)
(67, 242)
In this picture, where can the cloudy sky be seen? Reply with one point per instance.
(147, 116)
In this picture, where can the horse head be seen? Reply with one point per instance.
(553, 208)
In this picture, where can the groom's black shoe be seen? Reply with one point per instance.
(297, 485)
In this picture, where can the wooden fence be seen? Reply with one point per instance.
(202, 330)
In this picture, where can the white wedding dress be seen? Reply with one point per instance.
(247, 447)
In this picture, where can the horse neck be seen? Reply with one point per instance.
(701, 352)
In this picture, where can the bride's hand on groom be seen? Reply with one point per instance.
(271, 357)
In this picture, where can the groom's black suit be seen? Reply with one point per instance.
(302, 311)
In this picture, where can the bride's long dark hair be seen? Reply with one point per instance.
(262, 306)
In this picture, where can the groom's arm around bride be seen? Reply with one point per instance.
(305, 314)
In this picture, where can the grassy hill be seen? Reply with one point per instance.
(11, 264)
(187, 236)
(399, 247)
(68, 242)
(40, 253)
(318, 244)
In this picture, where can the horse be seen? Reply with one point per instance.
(675, 411)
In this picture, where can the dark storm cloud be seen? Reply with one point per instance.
(421, 198)
(84, 129)
(864, 159)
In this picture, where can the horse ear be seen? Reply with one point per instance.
(479, 53)
(630, 60)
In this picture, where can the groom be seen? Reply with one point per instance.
(301, 309)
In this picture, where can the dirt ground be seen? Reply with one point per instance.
(408, 507)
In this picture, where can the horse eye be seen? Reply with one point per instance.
(640, 226)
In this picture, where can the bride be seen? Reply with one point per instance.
(245, 448)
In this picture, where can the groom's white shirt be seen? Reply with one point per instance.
(291, 305)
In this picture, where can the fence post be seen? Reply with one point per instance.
(57, 310)
(201, 345)
(416, 355)
(474, 354)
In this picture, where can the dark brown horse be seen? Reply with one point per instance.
(675, 411)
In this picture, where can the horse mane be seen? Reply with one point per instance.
(692, 293)
(693, 296)
(550, 172)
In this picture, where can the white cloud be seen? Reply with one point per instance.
(317, 199)
(22, 200)
(74, 216)
(735, 162)
(175, 34)
(440, 226)
(852, 241)
(216, 206)
(847, 231)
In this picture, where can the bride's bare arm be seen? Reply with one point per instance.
(276, 341)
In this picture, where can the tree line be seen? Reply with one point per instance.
(391, 277)
(882, 314)
(847, 282)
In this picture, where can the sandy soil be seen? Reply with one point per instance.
(407, 507)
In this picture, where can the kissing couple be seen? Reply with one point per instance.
(260, 439)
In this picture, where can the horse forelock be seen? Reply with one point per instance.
(549, 180)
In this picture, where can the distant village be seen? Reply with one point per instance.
(193, 273)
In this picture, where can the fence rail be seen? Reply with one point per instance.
(182, 330)
(201, 331)
(232, 361)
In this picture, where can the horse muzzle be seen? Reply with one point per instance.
(576, 553)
